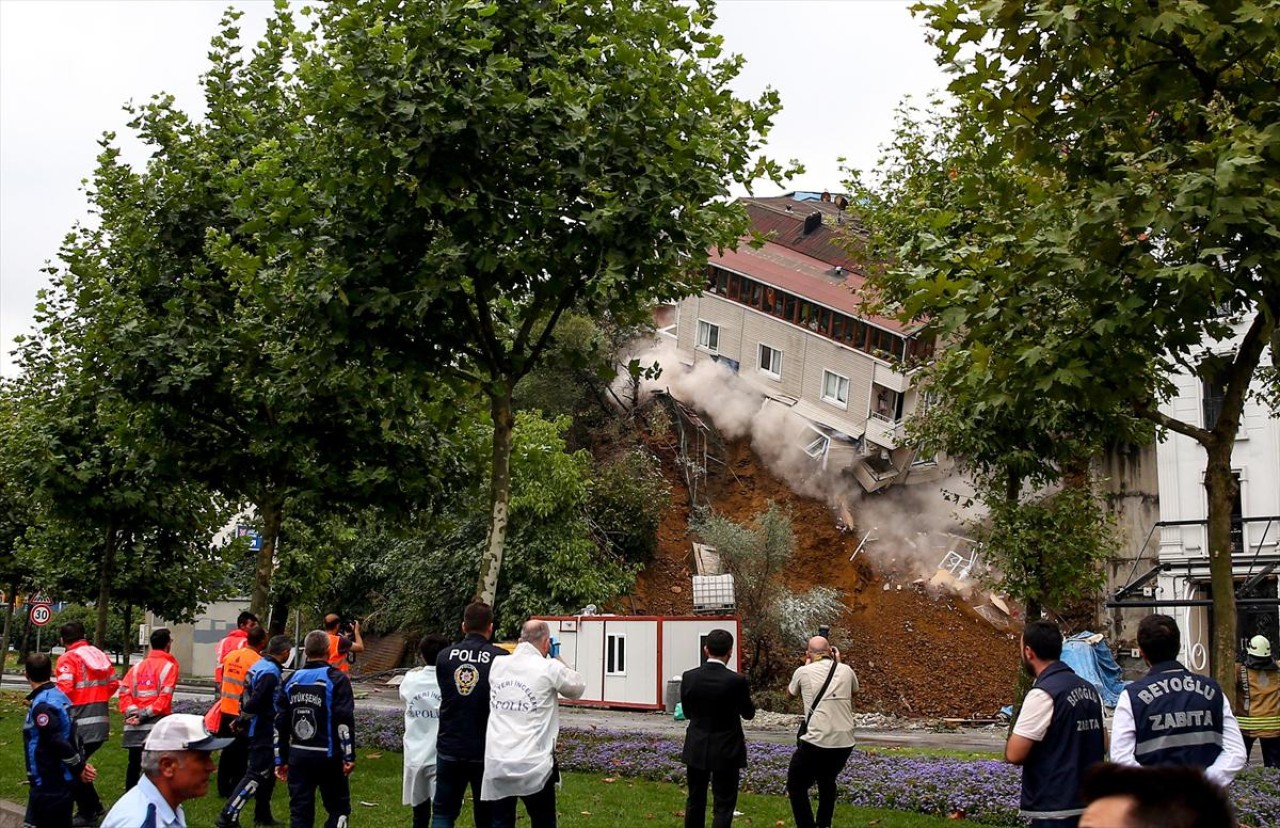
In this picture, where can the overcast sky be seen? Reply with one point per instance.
(67, 66)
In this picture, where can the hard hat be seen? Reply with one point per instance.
(1259, 646)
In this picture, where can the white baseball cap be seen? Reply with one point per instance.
(183, 731)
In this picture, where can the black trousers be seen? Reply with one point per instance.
(234, 759)
(422, 814)
(86, 798)
(1270, 750)
(541, 807)
(258, 783)
(453, 777)
(49, 808)
(724, 792)
(811, 764)
(133, 770)
(335, 793)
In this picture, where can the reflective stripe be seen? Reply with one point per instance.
(1205, 737)
(230, 680)
(1051, 814)
(94, 682)
(91, 720)
(309, 747)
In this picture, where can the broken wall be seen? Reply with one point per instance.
(1130, 484)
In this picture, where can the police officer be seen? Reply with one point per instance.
(257, 722)
(462, 671)
(49, 743)
(1058, 735)
(315, 737)
(1172, 716)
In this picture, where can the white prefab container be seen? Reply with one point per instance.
(627, 659)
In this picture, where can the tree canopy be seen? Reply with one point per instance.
(1097, 212)
(475, 171)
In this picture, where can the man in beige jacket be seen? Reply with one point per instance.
(826, 737)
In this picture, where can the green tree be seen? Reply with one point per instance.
(165, 293)
(1113, 188)
(775, 618)
(17, 513)
(110, 519)
(416, 573)
(479, 170)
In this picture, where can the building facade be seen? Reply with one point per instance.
(787, 316)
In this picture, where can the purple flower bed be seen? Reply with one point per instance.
(986, 790)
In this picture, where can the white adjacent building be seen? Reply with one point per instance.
(1182, 538)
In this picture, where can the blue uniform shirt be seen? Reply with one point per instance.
(49, 740)
(144, 807)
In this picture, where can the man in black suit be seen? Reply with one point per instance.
(714, 699)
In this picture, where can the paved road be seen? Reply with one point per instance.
(979, 739)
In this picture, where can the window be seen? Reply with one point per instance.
(708, 336)
(615, 654)
(770, 361)
(835, 389)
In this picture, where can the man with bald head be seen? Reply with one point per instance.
(524, 721)
(827, 687)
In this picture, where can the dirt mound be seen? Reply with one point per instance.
(915, 655)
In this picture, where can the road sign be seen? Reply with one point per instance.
(255, 539)
(41, 614)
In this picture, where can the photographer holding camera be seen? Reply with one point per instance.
(825, 741)
(344, 641)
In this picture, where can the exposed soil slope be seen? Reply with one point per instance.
(915, 656)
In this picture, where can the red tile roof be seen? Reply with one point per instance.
(803, 275)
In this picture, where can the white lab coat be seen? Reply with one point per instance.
(421, 695)
(524, 721)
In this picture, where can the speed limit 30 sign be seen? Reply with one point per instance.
(40, 614)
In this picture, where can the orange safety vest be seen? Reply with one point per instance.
(336, 658)
(234, 670)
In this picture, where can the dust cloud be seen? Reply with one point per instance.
(909, 530)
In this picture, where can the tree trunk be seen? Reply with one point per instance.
(128, 634)
(105, 575)
(279, 617)
(272, 512)
(499, 494)
(1220, 487)
(12, 595)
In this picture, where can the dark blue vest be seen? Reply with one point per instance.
(1177, 717)
(309, 693)
(1051, 775)
(260, 725)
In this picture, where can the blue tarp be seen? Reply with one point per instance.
(1095, 663)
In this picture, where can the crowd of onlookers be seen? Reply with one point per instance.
(482, 718)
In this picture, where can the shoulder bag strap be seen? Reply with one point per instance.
(821, 692)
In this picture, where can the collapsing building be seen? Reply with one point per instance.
(787, 317)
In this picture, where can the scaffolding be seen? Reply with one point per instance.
(694, 452)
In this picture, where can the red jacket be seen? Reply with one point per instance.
(147, 693)
(235, 639)
(87, 676)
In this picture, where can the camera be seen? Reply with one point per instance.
(555, 647)
(346, 628)
(824, 630)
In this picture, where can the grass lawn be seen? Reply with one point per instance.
(584, 799)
